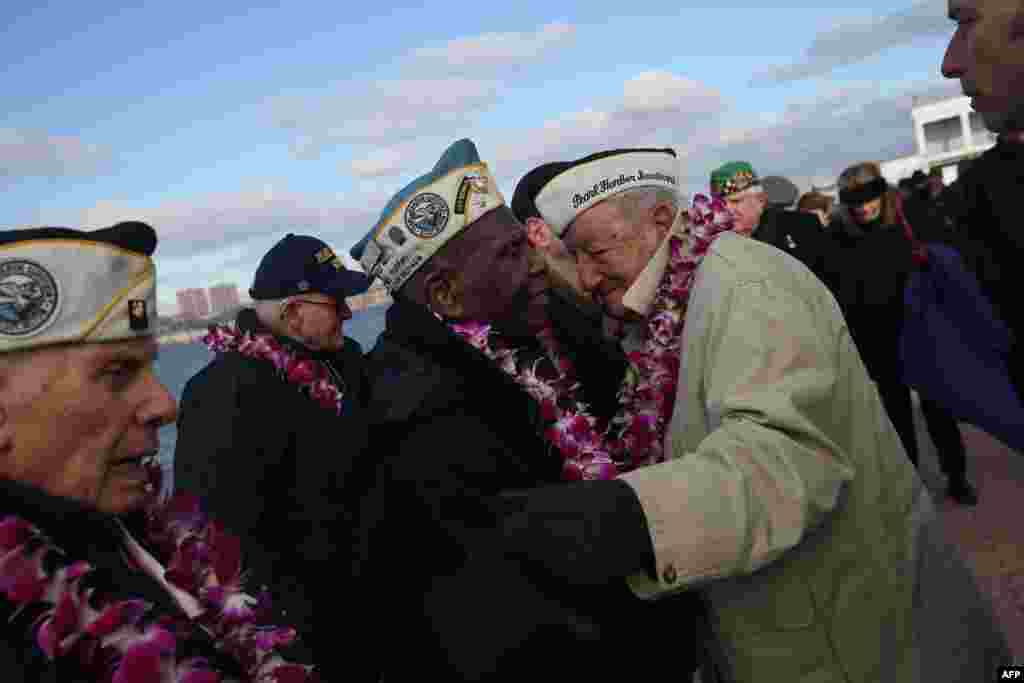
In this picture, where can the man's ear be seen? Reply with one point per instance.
(6, 435)
(444, 292)
(291, 318)
(538, 234)
(663, 215)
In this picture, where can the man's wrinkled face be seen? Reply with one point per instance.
(79, 420)
(318, 320)
(747, 208)
(611, 252)
(986, 53)
(499, 282)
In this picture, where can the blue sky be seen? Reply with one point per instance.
(228, 124)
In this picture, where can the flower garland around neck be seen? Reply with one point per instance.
(308, 374)
(590, 448)
(130, 640)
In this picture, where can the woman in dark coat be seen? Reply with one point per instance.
(876, 248)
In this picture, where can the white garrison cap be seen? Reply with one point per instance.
(64, 286)
(593, 179)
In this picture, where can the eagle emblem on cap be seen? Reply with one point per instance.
(29, 298)
(427, 215)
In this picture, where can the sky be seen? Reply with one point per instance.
(228, 124)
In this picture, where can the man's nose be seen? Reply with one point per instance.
(160, 408)
(590, 278)
(344, 311)
(953, 61)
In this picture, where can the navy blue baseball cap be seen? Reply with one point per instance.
(299, 264)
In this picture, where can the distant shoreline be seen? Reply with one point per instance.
(187, 337)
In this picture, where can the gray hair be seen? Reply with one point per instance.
(638, 199)
(268, 312)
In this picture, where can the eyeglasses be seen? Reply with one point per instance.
(340, 306)
(316, 303)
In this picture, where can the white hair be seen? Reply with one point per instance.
(638, 199)
(269, 313)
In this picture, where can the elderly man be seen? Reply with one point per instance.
(782, 492)
(986, 53)
(463, 407)
(98, 582)
(563, 276)
(738, 185)
(270, 429)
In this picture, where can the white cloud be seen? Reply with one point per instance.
(814, 140)
(34, 153)
(200, 224)
(497, 49)
(656, 109)
(441, 87)
(856, 41)
(384, 111)
(649, 105)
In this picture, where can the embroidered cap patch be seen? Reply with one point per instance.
(138, 317)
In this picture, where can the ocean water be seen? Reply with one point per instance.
(179, 362)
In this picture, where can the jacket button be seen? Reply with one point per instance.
(669, 575)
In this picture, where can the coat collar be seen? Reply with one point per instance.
(77, 528)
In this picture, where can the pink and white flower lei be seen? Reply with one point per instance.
(636, 435)
(308, 374)
(129, 641)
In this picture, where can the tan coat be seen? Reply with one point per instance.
(790, 501)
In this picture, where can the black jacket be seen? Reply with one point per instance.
(82, 534)
(272, 465)
(875, 263)
(984, 203)
(801, 236)
(451, 431)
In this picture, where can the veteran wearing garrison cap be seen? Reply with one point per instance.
(452, 430)
(747, 196)
(785, 498)
(84, 585)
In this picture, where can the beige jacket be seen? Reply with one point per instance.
(789, 499)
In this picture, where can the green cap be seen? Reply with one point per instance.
(733, 177)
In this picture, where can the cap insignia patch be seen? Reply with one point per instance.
(29, 298)
(427, 215)
(138, 317)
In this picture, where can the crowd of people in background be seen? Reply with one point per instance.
(607, 432)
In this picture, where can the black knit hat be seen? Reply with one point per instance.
(528, 187)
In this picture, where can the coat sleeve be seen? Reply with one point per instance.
(766, 473)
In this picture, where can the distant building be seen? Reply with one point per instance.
(948, 135)
(193, 304)
(224, 298)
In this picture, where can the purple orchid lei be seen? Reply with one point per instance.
(129, 641)
(635, 436)
(308, 374)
